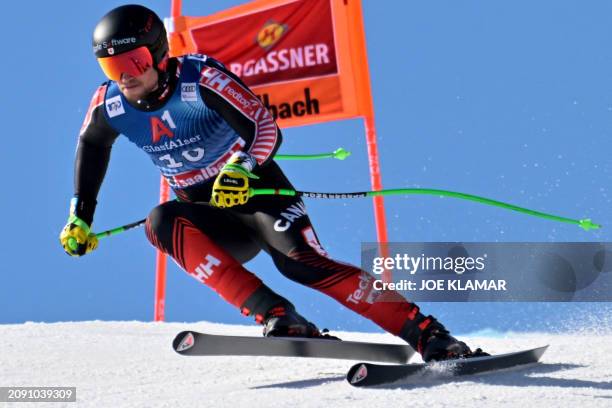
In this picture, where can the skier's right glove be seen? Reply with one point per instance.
(77, 238)
(231, 187)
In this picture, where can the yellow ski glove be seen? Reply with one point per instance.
(231, 186)
(77, 238)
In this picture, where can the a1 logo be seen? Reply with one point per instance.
(159, 128)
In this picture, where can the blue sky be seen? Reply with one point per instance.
(511, 100)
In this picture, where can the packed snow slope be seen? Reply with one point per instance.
(132, 364)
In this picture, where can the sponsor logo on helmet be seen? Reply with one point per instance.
(360, 374)
(187, 343)
(114, 106)
(149, 23)
(109, 45)
(270, 34)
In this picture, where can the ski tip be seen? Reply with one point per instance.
(183, 341)
(539, 351)
(357, 373)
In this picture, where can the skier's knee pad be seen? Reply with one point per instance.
(158, 227)
(163, 214)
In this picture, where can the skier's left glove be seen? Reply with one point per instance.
(76, 238)
(231, 186)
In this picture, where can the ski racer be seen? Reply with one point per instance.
(212, 139)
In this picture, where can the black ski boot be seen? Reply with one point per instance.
(284, 321)
(438, 345)
(435, 343)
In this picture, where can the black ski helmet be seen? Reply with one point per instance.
(129, 27)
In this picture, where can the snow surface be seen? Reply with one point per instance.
(132, 364)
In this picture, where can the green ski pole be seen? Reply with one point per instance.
(339, 154)
(72, 243)
(586, 223)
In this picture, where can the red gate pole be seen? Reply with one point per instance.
(164, 195)
(360, 56)
(161, 264)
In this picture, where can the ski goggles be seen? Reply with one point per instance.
(134, 63)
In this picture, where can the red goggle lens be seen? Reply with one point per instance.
(134, 63)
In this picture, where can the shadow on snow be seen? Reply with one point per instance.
(516, 377)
